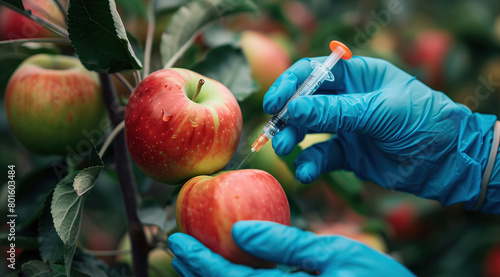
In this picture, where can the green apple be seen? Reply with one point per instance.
(159, 258)
(180, 124)
(52, 102)
(268, 161)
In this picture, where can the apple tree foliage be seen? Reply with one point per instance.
(51, 198)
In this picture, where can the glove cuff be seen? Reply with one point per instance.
(489, 166)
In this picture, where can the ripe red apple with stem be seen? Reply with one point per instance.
(208, 206)
(179, 124)
(50, 101)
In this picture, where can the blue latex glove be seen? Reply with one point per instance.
(330, 255)
(391, 129)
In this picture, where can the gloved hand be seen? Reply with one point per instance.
(330, 255)
(390, 128)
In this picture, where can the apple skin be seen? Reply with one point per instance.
(13, 25)
(50, 100)
(172, 138)
(267, 58)
(208, 206)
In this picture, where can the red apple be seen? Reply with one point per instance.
(429, 53)
(267, 58)
(174, 135)
(208, 206)
(491, 267)
(52, 103)
(13, 25)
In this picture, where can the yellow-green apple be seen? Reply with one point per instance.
(268, 161)
(180, 124)
(351, 231)
(159, 259)
(52, 102)
(208, 206)
(13, 25)
(267, 58)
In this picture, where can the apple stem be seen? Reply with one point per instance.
(140, 246)
(149, 39)
(198, 89)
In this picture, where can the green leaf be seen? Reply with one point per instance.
(132, 8)
(67, 204)
(228, 65)
(23, 242)
(32, 190)
(89, 264)
(39, 269)
(85, 178)
(162, 6)
(66, 209)
(150, 213)
(190, 19)
(99, 37)
(13, 4)
(50, 245)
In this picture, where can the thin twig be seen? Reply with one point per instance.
(149, 40)
(111, 137)
(56, 29)
(125, 82)
(106, 253)
(24, 40)
(140, 247)
(137, 77)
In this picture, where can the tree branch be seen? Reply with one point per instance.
(140, 247)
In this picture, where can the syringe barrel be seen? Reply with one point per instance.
(334, 57)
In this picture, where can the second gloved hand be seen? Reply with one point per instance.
(326, 255)
(390, 128)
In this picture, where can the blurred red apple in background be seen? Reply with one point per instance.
(50, 101)
(16, 26)
(173, 133)
(208, 206)
(267, 58)
(428, 53)
(491, 267)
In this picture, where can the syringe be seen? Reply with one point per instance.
(320, 73)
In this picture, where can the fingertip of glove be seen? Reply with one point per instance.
(305, 172)
(179, 267)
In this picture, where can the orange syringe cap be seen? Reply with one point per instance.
(335, 43)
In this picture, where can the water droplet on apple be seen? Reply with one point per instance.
(194, 123)
(168, 87)
(179, 87)
(165, 116)
(174, 136)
